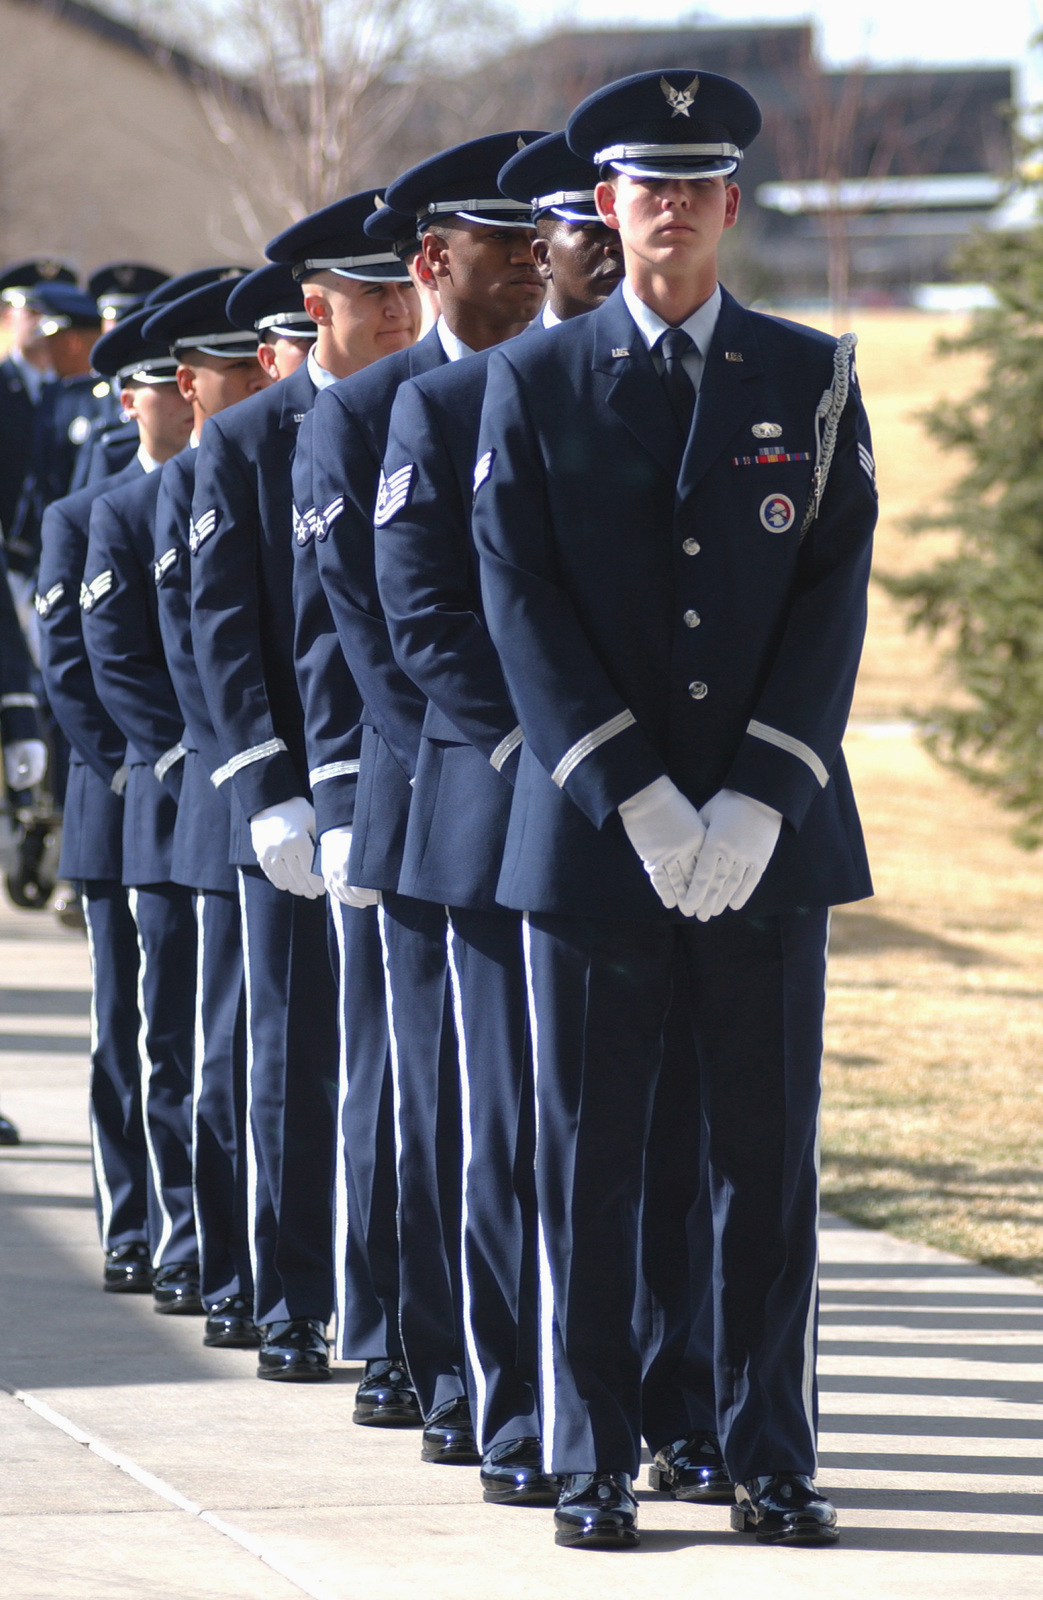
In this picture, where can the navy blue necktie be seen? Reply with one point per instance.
(674, 345)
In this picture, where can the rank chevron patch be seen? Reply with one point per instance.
(393, 493)
(325, 518)
(161, 567)
(91, 593)
(867, 464)
(482, 469)
(45, 603)
(200, 528)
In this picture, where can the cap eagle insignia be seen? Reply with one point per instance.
(679, 100)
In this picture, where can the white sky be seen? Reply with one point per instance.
(885, 32)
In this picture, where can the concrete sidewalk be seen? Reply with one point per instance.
(134, 1463)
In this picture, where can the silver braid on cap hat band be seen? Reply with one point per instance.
(638, 152)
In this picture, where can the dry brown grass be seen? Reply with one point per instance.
(933, 1119)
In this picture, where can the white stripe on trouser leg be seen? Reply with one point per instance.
(546, 1285)
(251, 1148)
(101, 1177)
(198, 1055)
(396, 1098)
(808, 1383)
(480, 1385)
(146, 1074)
(340, 1175)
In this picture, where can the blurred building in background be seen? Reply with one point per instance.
(862, 185)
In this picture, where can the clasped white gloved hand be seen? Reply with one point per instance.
(667, 832)
(283, 838)
(25, 762)
(741, 835)
(334, 849)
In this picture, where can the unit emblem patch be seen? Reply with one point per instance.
(778, 513)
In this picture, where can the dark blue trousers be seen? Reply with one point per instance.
(428, 1146)
(291, 1021)
(121, 1175)
(600, 993)
(499, 1192)
(219, 1101)
(165, 919)
(365, 1237)
(674, 1320)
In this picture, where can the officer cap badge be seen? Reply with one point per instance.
(766, 430)
(48, 270)
(679, 100)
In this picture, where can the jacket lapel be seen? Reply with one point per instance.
(427, 354)
(298, 396)
(726, 395)
(635, 392)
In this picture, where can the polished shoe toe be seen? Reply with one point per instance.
(385, 1398)
(597, 1511)
(513, 1475)
(128, 1269)
(294, 1351)
(448, 1438)
(692, 1469)
(784, 1508)
(175, 1290)
(230, 1324)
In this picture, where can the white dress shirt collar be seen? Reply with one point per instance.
(146, 460)
(318, 375)
(699, 326)
(549, 318)
(454, 348)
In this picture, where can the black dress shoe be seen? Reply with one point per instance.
(230, 1323)
(8, 1132)
(597, 1511)
(294, 1351)
(128, 1269)
(784, 1509)
(385, 1397)
(692, 1469)
(449, 1436)
(513, 1475)
(175, 1290)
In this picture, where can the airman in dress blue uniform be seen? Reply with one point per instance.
(676, 587)
(243, 633)
(358, 292)
(345, 445)
(129, 1214)
(124, 647)
(23, 373)
(210, 378)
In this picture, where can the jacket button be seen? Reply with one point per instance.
(698, 690)
(692, 619)
(691, 547)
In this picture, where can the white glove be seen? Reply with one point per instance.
(25, 762)
(667, 832)
(334, 848)
(283, 838)
(741, 835)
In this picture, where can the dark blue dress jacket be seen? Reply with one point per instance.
(660, 607)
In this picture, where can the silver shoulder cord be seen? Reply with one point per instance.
(827, 419)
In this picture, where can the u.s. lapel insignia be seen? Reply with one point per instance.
(679, 100)
(733, 355)
(766, 430)
(620, 351)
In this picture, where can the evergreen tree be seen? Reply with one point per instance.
(989, 593)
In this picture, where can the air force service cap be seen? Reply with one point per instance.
(61, 305)
(186, 282)
(269, 301)
(674, 123)
(551, 180)
(334, 240)
(18, 279)
(199, 321)
(462, 182)
(122, 286)
(126, 356)
(395, 228)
